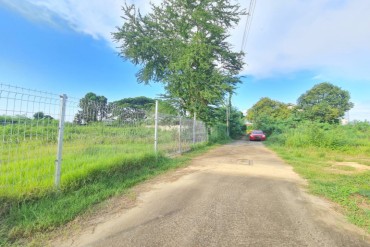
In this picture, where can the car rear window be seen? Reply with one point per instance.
(257, 132)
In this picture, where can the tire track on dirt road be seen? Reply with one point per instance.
(221, 199)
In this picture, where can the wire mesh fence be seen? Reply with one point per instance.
(90, 135)
(177, 134)
(29, 135)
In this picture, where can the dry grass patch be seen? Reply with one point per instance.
(362, 202)
(348, 168)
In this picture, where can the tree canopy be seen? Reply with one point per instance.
(93, 108)
(141, 102)
(182, 44)
(236, 120)
(39, 115)
(96, 108)
(325, 102)
(268, 107)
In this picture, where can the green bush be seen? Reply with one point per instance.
(218, 133)
(323, 135)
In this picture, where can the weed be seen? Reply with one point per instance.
(365, 193)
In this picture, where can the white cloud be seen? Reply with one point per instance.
(92, 17)
(360, 111)
(96, 18)
(318, 77)
(329, 36)
(28, 10)
(322, 35)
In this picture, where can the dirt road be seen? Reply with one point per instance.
(239, 194)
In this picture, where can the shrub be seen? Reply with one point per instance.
(323, 135)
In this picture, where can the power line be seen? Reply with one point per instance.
(252, 6)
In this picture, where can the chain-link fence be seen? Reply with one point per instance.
(49, 139)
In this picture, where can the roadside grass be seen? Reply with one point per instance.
(22, 218)
(334, 159)
(35, 177)
(27, 156)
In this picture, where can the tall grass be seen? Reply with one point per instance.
(219, 133)
(28, 152)
(29, 166)
(351, 138)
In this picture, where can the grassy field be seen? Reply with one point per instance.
(336, 162)
(99, 161)
(28, 167)
(28, 154)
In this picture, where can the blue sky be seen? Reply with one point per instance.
(66, 47)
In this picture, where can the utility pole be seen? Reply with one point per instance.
(228, 113)
(227, 121)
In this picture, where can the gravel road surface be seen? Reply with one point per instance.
(240, 194)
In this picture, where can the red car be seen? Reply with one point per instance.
(257, 135)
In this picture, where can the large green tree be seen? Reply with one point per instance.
(145, 104)
(268, 107)
(271, 115)
(325, 102)
(235, 120)
(93, 108)
(39, 115)
(182, 44)
(140, 102)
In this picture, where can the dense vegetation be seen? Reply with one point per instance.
(324, 103)
(334, 158)
(94, 108)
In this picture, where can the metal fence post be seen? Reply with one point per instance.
(58, 161)
(180, 118)
(227, 121)
(156, 128)
(194, 127)
(208, 133)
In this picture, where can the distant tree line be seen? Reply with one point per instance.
(17, 119)
(324, 103)
(94, 108)
(41, 115)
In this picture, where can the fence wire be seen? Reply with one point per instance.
(97, 135)
(29, 130)
(176, 133)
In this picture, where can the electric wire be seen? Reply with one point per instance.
(252, 6)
